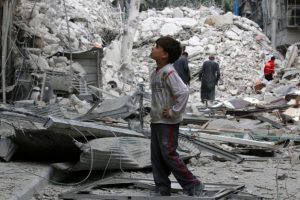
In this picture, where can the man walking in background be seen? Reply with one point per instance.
(209, 76)
(182, 68)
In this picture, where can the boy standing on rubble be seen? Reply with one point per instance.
(169, 99)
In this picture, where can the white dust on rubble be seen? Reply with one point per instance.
(238, 43)
(88, 21)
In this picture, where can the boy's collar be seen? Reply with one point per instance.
(158, 68)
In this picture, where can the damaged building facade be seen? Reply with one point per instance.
(67, 96)
(284, 17)
(278, 19)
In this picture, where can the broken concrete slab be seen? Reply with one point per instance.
(219, 20)
(293, 113)
(7, 148)
(22, 180)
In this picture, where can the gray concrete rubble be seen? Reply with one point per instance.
(21, 180)
(78, 104)
(239, 44)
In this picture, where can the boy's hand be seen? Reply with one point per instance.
(167, 113)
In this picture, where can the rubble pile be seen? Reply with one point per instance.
(58, 25)
(237, 42)
(62, 109)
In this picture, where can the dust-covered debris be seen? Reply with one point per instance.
(49, 33)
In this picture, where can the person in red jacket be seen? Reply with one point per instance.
(269, 69)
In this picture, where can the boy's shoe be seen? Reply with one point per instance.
(161, 193)
(158, 194)
(197, 190)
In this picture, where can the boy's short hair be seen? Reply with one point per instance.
(171, 46)
(185, 54)
(211, 57)
(273, 58)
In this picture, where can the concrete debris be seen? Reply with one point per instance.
(291, 57)
(47, 21)
(293, 113)
(239, 44)
(69, 76)
(7, 148)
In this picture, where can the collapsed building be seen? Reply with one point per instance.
(69, 97)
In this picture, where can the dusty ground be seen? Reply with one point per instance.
(16, 179)
(271, 179)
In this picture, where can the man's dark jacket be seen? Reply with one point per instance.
(182, 68)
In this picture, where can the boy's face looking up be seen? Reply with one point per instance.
(158, 53)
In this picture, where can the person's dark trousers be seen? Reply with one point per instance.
(269, 77)
(165, 159)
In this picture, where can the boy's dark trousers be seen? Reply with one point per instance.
(165, 159)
